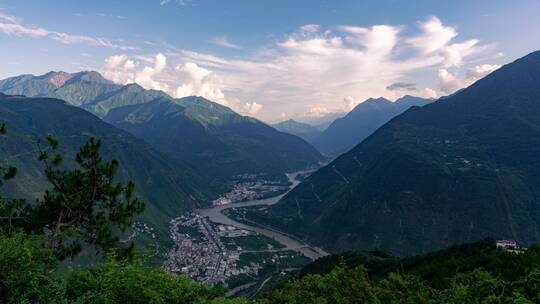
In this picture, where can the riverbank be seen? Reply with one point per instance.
(216, 215)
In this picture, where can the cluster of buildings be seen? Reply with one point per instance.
(250, 190)
(204, 257)
(510, 246)
(143, 228)
(139, 228)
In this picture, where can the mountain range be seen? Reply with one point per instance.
(88, 90)
(219, 143)
(214, 138)
(348, 131)
(302, 130)
(456, 170)
(322, 121)
(169, 187)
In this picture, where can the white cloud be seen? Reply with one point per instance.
(222, 41)
(309, 28)
(198, 81)
(145, 77)
(435, 39)
(448, 81)
(187, 79)
(8, 18)
(178, 2)
(451, 82)
(480, 71)
(251, 108)
(455, 53)
(434, 36)
(314, 71)
(428, 93)
(118, 69)
(13, 26)
(349, 103)
(317, 111)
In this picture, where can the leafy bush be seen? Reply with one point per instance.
(122, 282)
(341, 286)
(25, 270)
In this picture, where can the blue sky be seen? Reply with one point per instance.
(272, 59)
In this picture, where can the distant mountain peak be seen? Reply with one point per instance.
(300, 129)
(371, 103)
(346, 132)
(378, 99)
(201, 101)
(409, 97)
(134, 85)
(291, 121)
(91, 76)
(413, 100)
(59, 78)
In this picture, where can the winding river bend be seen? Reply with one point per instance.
(215, 214)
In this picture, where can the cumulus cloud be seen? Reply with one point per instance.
(317, 111)
(436, 39)
(180, 80)
(315, 71)
(451, 82)
(428, 93)
(198, 81)
(316, 68)
(448, 81)
(350, 103)
(121, 69)
(480, 71)
(434, 36)
(146, 76)
(251, 108)
(222, 41)
(13, 26)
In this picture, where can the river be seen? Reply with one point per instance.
(215, 214)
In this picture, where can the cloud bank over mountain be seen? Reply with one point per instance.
(314, 70)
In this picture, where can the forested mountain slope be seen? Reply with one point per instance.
(348, 131)
(168, 186)
(214, 139)
(457, 170)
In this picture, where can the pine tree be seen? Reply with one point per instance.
(11, 210)
(85, 205)
(6, 172)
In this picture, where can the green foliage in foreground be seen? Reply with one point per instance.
(27, 275)
(469, 273)
(345, 286)
(87, 206)
(473, 273)
(118, 282)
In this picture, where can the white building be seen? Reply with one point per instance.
(510, 245)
